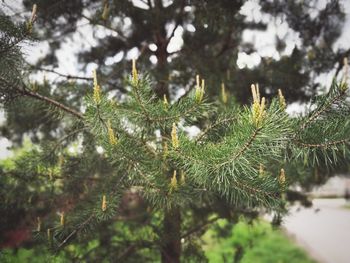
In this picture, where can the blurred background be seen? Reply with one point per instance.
(297, 46)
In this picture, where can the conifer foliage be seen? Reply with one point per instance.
(244, 156)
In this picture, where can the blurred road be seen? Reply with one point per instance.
(323, 230)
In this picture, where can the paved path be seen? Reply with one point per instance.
(324, 233)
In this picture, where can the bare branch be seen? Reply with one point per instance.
(108, 82)
(61, 74)
(94, 22)
(52, 102)
(80, 226)
(200, 227)
(26, 92)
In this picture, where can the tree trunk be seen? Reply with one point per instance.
(171, 236)
(171, 240)
(162, 73)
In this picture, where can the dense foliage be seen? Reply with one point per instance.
(131, 173)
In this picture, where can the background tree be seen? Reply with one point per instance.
(212, 39)
(133, 168)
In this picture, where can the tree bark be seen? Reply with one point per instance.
(171, 240)
(162, 72)
(171, 235)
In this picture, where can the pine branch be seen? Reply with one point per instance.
(243, 148)
(319, 112)
(187, 92)
(61, 74)
(68, 77)
(12, 45)
(322, 145)
(150, 115)
(131, 249)
(213, 126)
(175, 117)
(145, 177)
(143, 107)
(50, 101)
(137, 141)
(65, 137)
(340, 58)
(75, 231)
(87, 221)
(199, 227)
(25, 91)
(128, 251)
(95, 22)
(254, 190)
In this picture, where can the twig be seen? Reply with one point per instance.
(247, 144)
(68, 76)
(139, 100)
(255, 190)
(130, 249)
(57, 104)
(24, 90)
(61, 74)
(243, 148)
(186, 93)
(75, 231)
(200, 227)
(316, 114)
(340, 62)
(321, 145)
(94, 22)
(210, 127)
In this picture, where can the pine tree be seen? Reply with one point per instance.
(152, 187)
(212, 34)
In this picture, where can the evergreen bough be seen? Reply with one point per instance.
(244, 156)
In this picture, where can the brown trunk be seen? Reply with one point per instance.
(171, 237)
(171, 240)
(162, 73)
